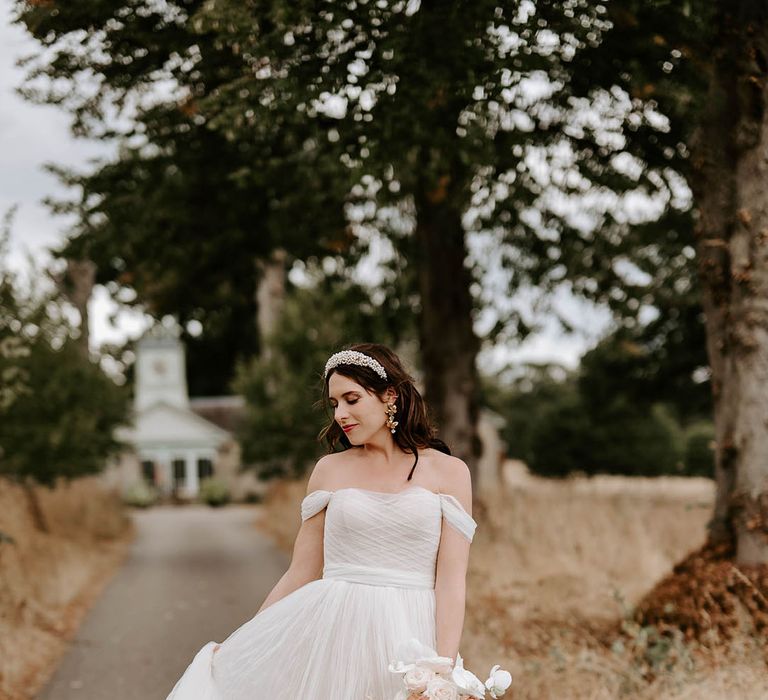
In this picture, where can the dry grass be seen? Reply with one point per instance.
(48, 579)
(555, 568)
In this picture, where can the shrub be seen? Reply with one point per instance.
(141, 495)
(622, 439)
(214, 492)
(561, 441)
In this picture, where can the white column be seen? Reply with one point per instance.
(190, 471)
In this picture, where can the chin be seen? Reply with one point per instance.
(356, 440)
(351, 440)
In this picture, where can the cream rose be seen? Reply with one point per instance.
(440, 689)
(417, 678)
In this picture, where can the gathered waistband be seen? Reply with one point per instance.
(376, 576)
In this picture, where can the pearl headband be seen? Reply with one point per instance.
(352, 357)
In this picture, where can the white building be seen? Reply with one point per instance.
(177, 442)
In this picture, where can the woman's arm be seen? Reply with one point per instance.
(307, 559)
(452, 562)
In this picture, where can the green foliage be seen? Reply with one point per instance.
(561, 442)
(434, 107)
(280, 432)
(699, 455)
(624, 440)
(14, 347)
(609, 417)
(434, 111)
(214, 492)
(525, 401)
(141, 495)
(63, 425)
(13, 379)
(177, 220)
(629, 440)
(430, 103)
(658, 362)
(61, 421)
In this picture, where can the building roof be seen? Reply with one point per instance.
(165, 424)
(227, 412)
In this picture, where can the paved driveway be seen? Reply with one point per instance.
(194, 574)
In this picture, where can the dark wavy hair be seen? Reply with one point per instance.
(414, 431)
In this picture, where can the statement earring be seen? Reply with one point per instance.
(391, 423)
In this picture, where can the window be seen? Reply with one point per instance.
(179, 473)
(148, 470)
(204, 468)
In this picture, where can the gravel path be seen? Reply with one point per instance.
(194, 574)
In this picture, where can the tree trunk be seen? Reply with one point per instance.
(76, 284)
(270, 296)
(448, 343)
(729, 162)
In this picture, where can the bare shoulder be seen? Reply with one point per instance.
(455, 479)
(323, 471)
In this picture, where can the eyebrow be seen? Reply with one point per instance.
(351, 391)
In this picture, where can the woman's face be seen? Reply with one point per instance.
(360, 413)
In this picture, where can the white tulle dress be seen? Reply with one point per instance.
(333, 638)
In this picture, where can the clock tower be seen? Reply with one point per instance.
(161, 369)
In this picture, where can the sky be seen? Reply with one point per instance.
(32, 135)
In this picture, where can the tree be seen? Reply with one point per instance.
(13, 346)
(170, 222)
(59, 422)
(703, 64)
(611, 415)
(632, 368)
(422, 99)
(459, 120)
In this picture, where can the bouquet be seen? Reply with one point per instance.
(427, 676)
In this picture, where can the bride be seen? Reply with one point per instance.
(373, 563)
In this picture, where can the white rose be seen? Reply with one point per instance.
(467, 682)
(417, 678)
(441, 689)
(498, 681)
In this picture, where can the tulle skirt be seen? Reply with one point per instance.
(331, 639)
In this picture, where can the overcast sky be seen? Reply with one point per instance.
(32, 135)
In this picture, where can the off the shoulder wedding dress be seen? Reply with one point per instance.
(333, 638)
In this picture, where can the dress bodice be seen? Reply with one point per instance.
(385, 538)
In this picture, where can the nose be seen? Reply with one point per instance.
(340, 413)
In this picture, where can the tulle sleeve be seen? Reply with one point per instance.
(314, 502)
(455, 514)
